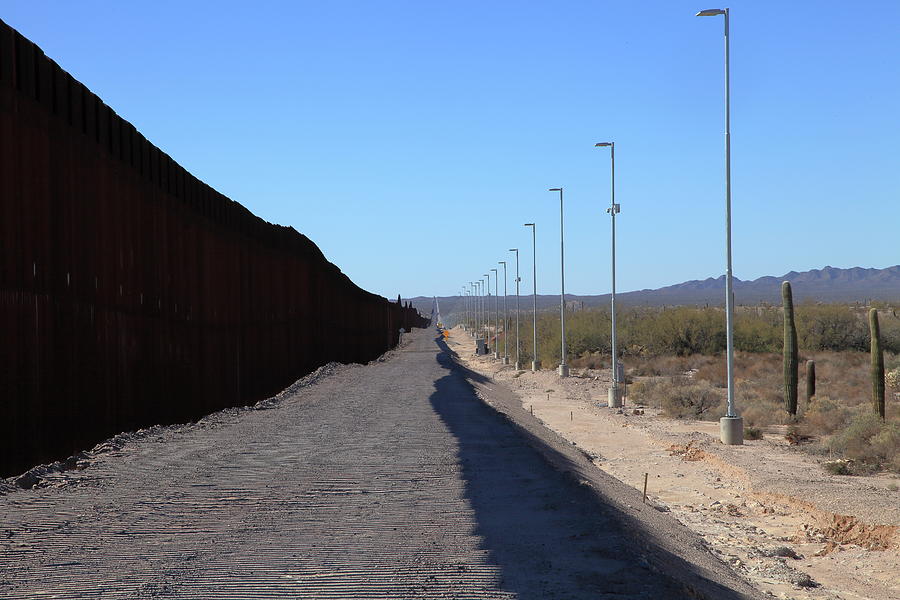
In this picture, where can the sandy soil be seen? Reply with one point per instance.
(783, 522)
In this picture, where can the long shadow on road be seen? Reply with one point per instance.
(549, 534)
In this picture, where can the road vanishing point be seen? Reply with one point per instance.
(409, 477)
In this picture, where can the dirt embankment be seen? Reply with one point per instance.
(788, 526)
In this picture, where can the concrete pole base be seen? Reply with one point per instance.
(613, 397)
(505, 360)
(563, 370)
(480, 348)
(535, 366)
(496, 355)
(518, 367)
(732, 430)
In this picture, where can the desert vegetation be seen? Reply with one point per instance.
(674, 360)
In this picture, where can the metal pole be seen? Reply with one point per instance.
(477, 308)
(487, 306)
(472, 304)
(505, 317)
(731, 425)
(729, 291)
(480, 308)
(563, 367)
(496, 314)
(518, 279)
(612, 212)
(477, 285)
(535, 363)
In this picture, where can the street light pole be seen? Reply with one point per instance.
(731, 426)
(518, 279)
(535, 363)
(563, 367)
(477, 286)
(614, 400)
(496, 314)
(465, 307)
(486, 312)
(505, 316)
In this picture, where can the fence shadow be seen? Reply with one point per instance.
(546, 532)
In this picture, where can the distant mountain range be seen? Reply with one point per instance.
(820, 285)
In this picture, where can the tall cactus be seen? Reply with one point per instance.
(810, 380)
(877, 364)
(790, 350)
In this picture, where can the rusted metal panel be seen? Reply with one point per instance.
(130, 292)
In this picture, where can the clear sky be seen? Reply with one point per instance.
(410, 140)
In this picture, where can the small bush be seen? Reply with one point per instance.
(893, 378)
(680, 398)
(715, 373)
(825, 416)
(753, 433)
(761, 404)
(840, 467)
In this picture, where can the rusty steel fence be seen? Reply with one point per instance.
(131, 293)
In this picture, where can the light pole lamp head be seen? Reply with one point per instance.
(710, 12)
(494, 270)
(555, 189)
(528, 225)
(501, 262)
(603, 144)
(513, 249)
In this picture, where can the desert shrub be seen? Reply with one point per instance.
(656, 366)
(590, 360)
(752, 433)
(869, 441)
(892, 378)
(761, 405)
(825, 416)
(679, 397)
(758, 333)
(695, 401)
(715, 373)
(831, 327)
(840, 467)
(890, 331)
(684, 330)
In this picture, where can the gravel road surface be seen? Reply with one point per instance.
(390, 480)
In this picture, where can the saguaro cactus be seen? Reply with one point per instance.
(877, 364)
(810, 380)
(790, 350)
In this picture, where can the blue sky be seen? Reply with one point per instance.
(411, 140)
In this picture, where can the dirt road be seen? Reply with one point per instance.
(391, 480)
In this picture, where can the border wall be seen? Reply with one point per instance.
(131, 293)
